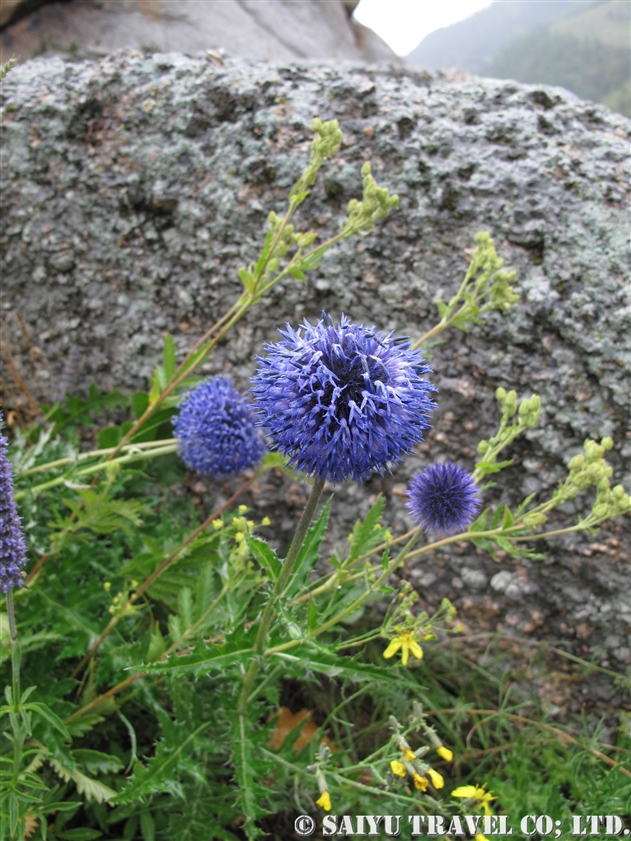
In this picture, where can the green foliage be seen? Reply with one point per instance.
(158, 644)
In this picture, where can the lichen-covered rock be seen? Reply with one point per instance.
(135, 187)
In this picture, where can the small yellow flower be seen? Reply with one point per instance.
(239, 536)
(480, 837)
(242, 509)
(398, 768)
(476, 793)
(217, 524)
(408, 754)
(445, 753)
(107, 585)
(407, 643)
(436, 778)
(324, 801)
(250, 524)
(420, 782)
(266, 521)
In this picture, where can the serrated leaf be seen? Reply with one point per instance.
(310, 552)
(203, 659)
(156, 776)
(185, 606)
(96, 762)
(334, 665)
(368, 533)
(266, 556)
(91, 789)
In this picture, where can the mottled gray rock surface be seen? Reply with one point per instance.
(135, 187)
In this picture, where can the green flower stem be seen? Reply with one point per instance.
(206, 343)
(279, 589)
(103, 465)
(351, 608)
(51, 465)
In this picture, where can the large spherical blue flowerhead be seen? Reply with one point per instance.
(342, 400)
(443, 498)
(217, 428)
(12, 548)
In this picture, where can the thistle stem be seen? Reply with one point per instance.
(279, 588)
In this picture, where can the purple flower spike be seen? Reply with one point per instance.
(444, 498)
(12, 548)
(342, 400)
(217, 429)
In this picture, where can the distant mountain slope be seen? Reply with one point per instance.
(472, 44)
(608, 22)
(582, 46)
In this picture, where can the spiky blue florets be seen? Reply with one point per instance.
(217, 428)
(342, 401)
(443, 498)
(12, 548)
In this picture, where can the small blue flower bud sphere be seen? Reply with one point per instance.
(443, 498)
(342, 400)
(217, 429)
(12, 548)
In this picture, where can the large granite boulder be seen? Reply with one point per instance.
(134, 187)
(276, 30)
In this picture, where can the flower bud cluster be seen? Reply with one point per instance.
(375, 204)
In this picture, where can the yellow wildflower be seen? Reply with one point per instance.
(242, 509)
(107, 585)
(398, 768)
(250, 524)
(408, 754)
(480, 837)
(324, 801)
(436, 778)
(420, 782)
(407, 643)
(217, 524)
(445, 753)
(266, 521)
(239, 536)
(476, 793)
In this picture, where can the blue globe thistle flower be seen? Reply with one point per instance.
(443, 498)
(342, 401)
(217, 428)
(12, 548)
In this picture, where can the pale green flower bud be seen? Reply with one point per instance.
(500, 394)
(606, 443)
(483, 447)
(535, 519)
(576, 462)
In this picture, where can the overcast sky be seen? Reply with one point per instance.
(404, 23)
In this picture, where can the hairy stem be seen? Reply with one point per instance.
(279, 589)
